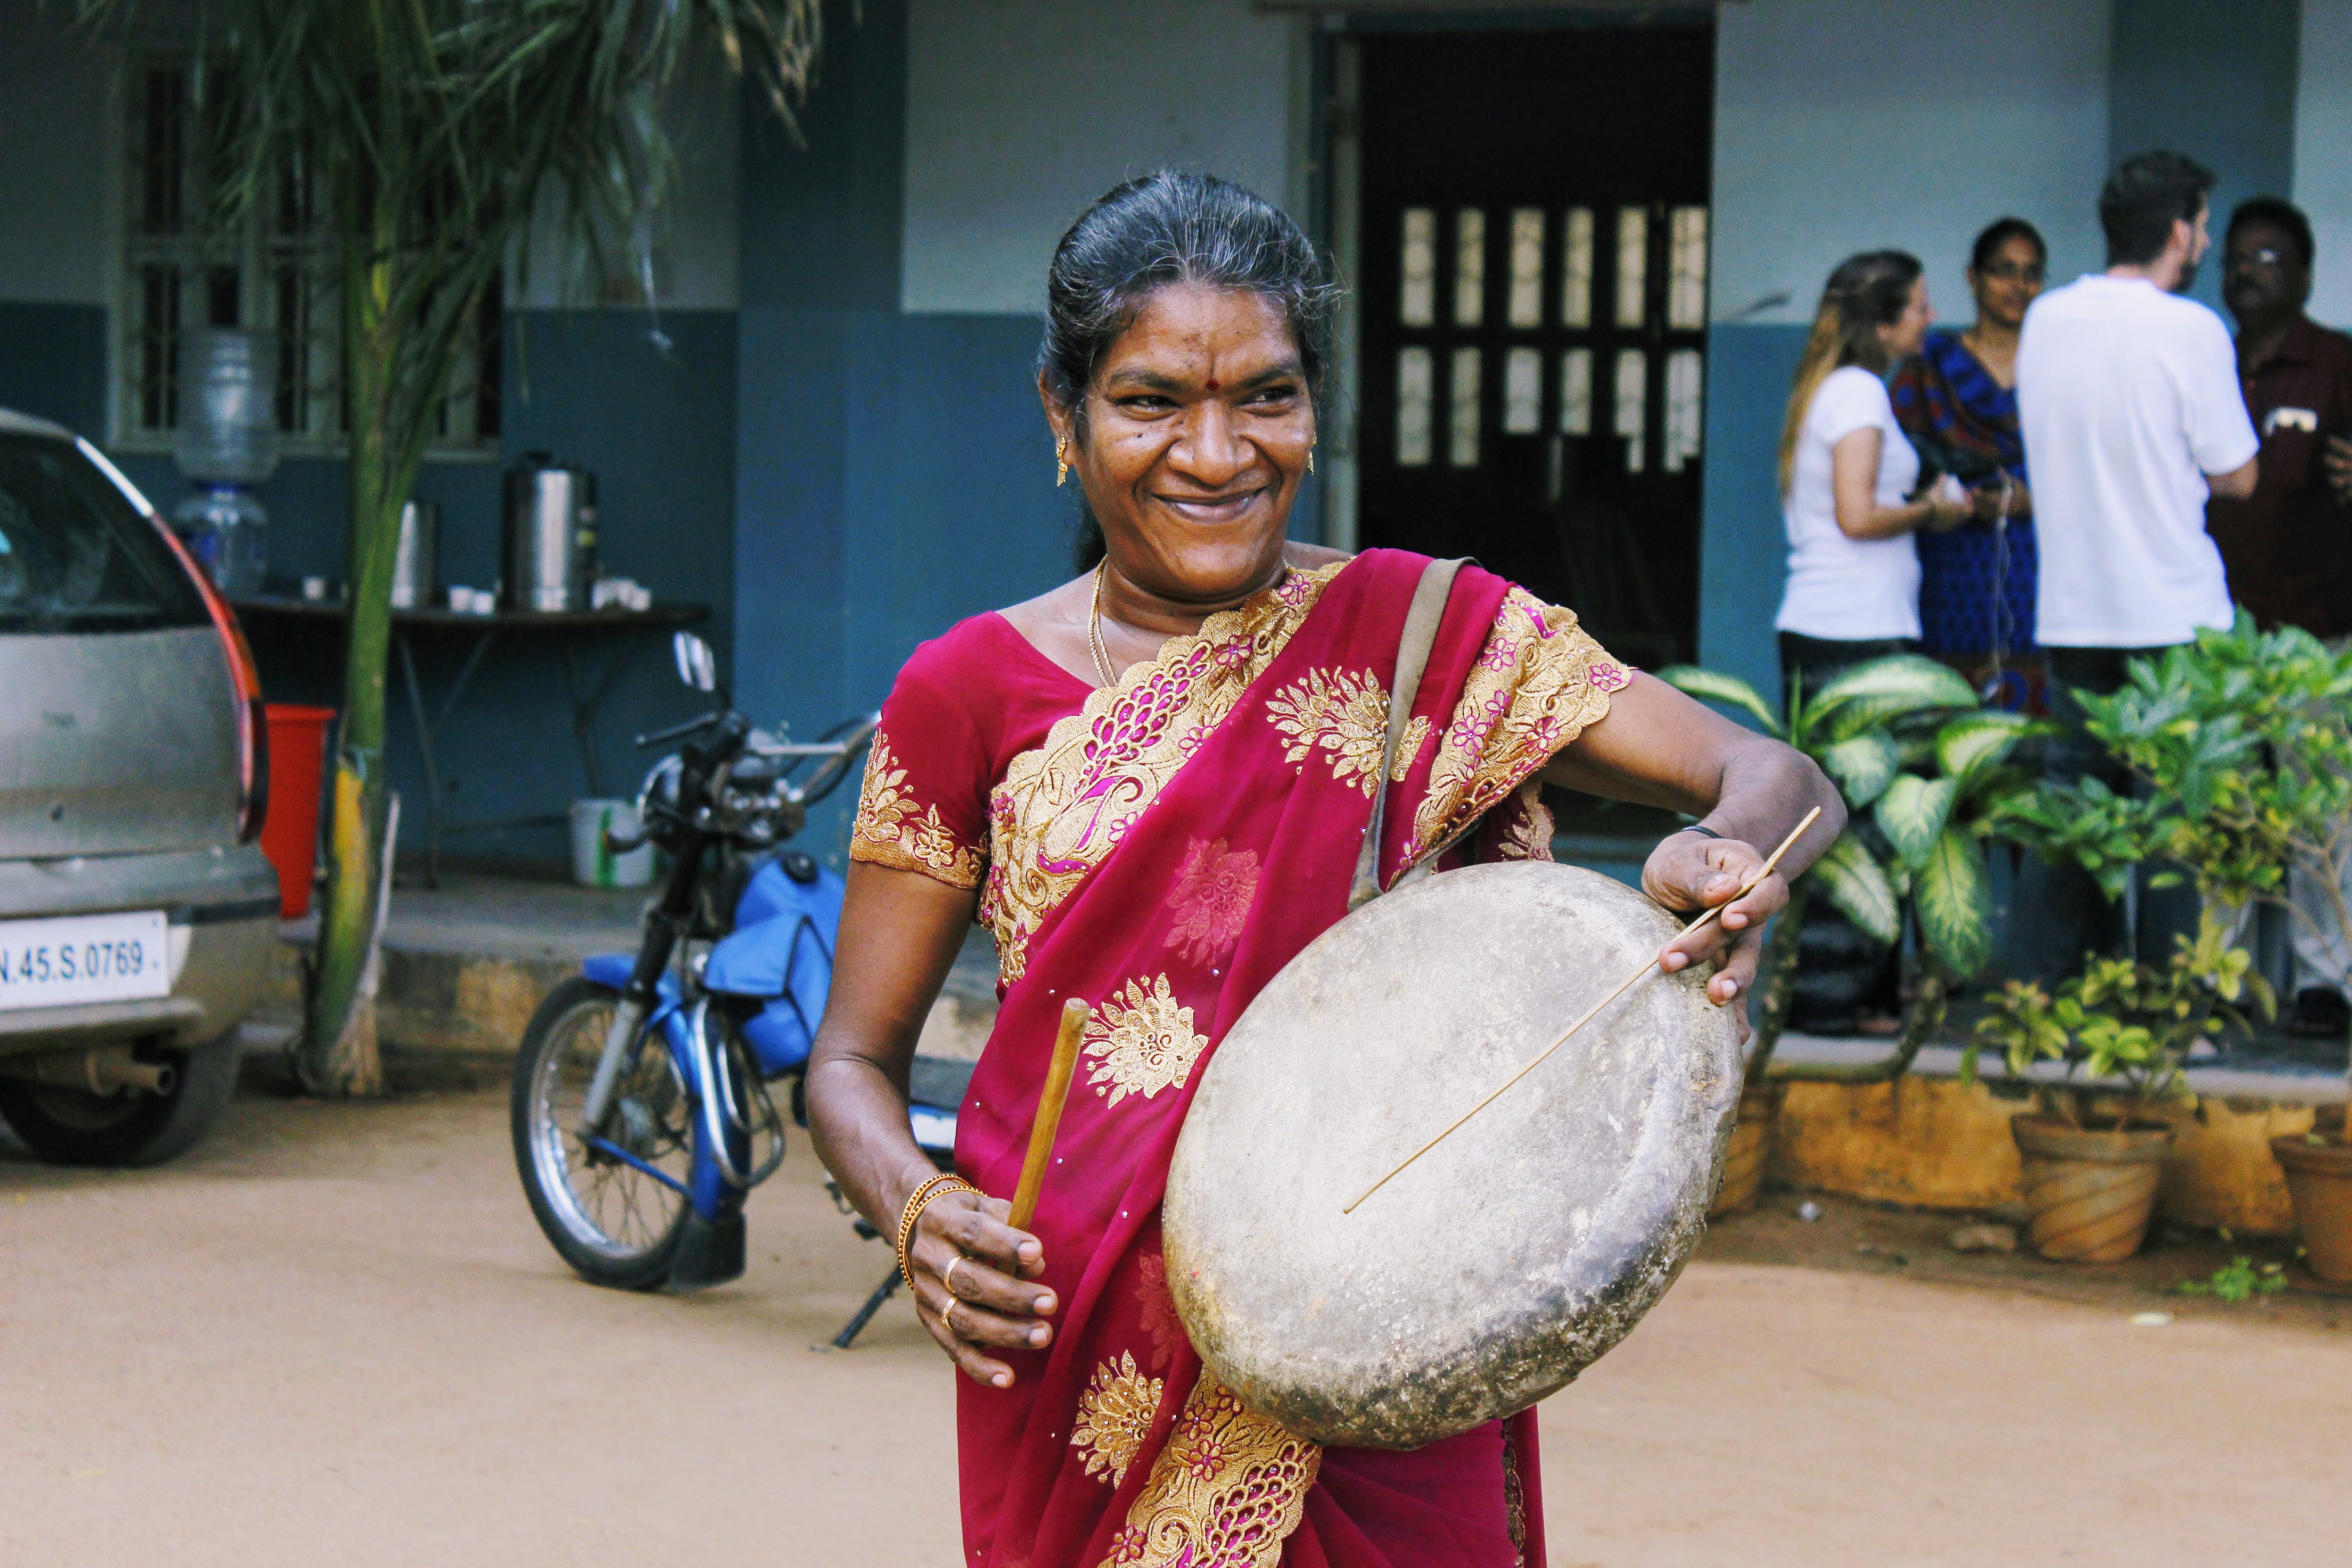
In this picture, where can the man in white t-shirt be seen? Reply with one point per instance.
(2127, 394)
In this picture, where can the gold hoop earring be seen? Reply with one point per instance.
(1061, 462)
(1310, 459)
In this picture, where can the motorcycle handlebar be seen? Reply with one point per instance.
(674, 731)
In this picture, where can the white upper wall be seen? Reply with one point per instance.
(2323, 138)
(1019, 112)
(1847, 125)
(54, 148)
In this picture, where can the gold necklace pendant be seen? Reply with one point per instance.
(1094, 630)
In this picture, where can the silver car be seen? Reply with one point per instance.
(136, 914)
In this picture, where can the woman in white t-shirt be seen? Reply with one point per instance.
(1847, 471)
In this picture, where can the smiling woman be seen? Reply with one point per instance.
(1151, 784)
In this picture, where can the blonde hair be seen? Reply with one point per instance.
(1866, 292)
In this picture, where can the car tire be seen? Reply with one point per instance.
(71, 1127)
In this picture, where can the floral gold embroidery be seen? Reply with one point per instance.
(890, 831)
(1344, 714)
(1143, 1041)
(1226, 1491)
(1156, 1309)
(1115, 1416)
(1527, 827)
(1212, 899)
(1540, 680)
(1515, 1496)
(1066, 804)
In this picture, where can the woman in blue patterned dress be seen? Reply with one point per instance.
(1958, 402)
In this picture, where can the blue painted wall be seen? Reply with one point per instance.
(53, 363)
(893, 474)
(1743, 542)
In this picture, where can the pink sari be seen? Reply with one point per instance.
(1162, 853)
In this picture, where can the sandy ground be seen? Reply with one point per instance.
(334, 1334)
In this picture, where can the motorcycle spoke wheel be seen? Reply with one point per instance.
(613, 1222)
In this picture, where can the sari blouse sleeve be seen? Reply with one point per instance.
(1539, 679)
(924, 806)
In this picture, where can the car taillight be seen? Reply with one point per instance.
(245, 681)
(243, 674)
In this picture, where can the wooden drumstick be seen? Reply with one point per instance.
(1075, 1014)
(1623, 986)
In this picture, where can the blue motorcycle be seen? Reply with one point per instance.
(646, 1092)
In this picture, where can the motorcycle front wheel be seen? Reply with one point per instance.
(612, 1218)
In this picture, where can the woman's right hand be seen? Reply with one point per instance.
(972, 1283)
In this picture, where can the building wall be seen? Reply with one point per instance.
(1019, 112)
(657, 424)
(2322, 130)
(894, 473)
(1847, 125)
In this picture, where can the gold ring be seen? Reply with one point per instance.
(947, 1314)
(948, 1277)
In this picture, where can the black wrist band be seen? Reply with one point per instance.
(1697, 827)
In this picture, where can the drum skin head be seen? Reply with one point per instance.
(1513, 1254)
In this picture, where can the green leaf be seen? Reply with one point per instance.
(1712, 686)
(1863, 767)
(1954, 901)
(1912, 814)
(1977, 742)
(1884, 689)
(1857, 884)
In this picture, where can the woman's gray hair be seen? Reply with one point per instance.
(1167, 227)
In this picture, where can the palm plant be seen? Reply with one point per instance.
(433, 129)
(1926, 773)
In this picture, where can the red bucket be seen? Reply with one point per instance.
(289, 832)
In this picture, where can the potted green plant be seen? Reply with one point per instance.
(2244, 740)
(2094, 1145)
(1925, 775)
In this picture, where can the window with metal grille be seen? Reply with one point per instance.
(275, 271)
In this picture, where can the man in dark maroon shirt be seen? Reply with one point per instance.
(2288, 547)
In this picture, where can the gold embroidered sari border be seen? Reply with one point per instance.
(1065, 803)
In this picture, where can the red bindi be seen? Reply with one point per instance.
(1212, 383)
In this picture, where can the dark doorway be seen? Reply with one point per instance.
(1533, 309)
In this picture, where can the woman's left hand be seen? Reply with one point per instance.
(1690, 873)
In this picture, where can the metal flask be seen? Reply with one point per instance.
(415, 559)
(551, 534)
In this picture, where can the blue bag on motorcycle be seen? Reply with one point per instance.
(780, 950)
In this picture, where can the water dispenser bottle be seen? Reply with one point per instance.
(227, 443)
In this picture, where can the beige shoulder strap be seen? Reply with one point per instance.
(1420, 635)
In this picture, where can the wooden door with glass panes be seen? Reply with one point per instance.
(1533, 313)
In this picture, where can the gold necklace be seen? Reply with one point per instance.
(1094, 630)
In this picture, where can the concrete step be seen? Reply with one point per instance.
(465, 964)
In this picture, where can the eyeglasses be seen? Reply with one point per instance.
(2010, 272)
(2266, 256)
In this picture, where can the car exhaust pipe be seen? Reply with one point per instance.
(101, 1070)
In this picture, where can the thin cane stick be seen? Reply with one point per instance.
(1626, 984)
(1075, 1014)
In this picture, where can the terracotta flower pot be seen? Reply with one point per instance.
(2089, 1193)
(2319, 1180)
(1750, 1147)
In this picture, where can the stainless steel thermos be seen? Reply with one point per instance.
(417, 555)
(551, 534)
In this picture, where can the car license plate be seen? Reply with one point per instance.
(84, 958)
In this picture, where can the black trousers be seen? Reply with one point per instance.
(2060, 915)
(1843, 973)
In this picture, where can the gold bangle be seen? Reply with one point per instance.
(945, 1182)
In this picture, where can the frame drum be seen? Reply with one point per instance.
(1516, 1251)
